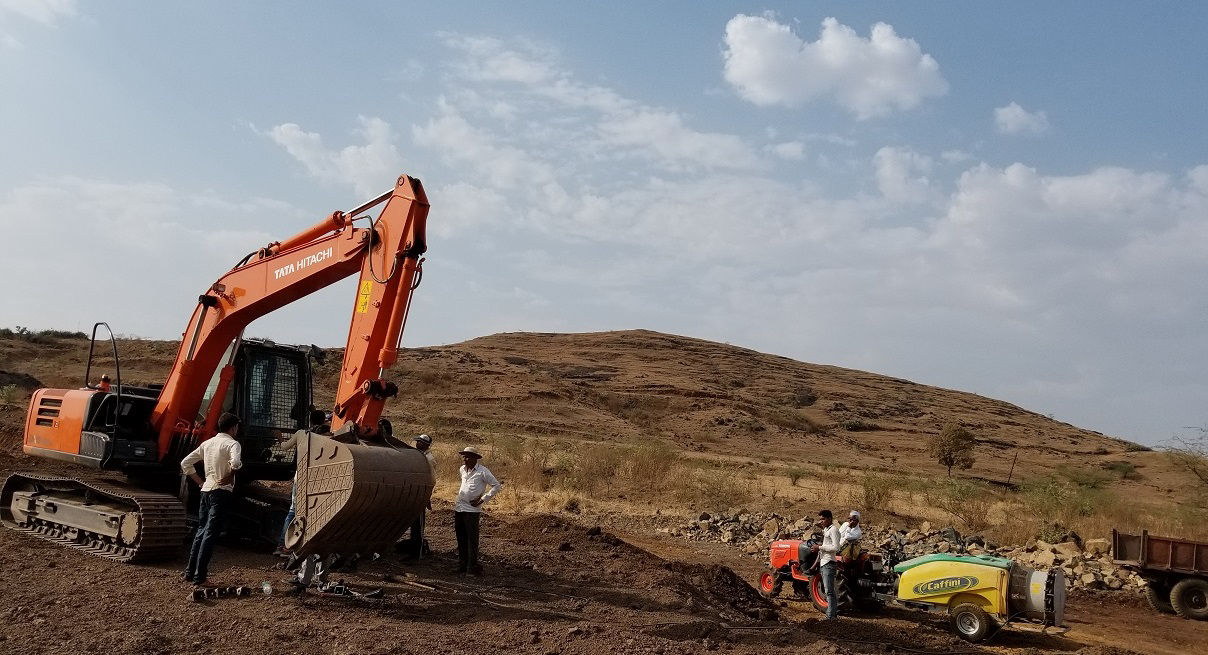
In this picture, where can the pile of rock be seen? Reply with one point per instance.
(1086, 565)
(750, 531)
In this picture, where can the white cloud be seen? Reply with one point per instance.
(770, 65)
(902, 175)
(955, 156)
(47, 12)
(365, 168)
(788, 150)
(133, 246)
(1013, 119)
(624, 127)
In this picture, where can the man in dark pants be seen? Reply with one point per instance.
(473, 494)
(827, 566)
(413, 547)
(220, 456)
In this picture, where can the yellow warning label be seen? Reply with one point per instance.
(363, 296)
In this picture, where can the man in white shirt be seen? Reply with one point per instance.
(827, 567)
(413, 546)
(220, 456)
(850, 532)
(478, 486)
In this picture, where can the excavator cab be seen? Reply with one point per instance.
(271, 392)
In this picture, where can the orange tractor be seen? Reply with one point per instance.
(795, 562)
(356, 487)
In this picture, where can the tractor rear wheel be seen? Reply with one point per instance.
(1189, 598)
(769, 583)
(970, 622)
(818, 592)
(1158, 596)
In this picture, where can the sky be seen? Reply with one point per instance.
(1008, 200)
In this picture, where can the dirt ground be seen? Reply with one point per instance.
(554, 584)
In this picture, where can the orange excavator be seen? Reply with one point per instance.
(356, 488)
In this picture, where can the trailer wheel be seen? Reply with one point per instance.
(1189, 598)
(769, 583)
(970, 622)
(1158, 596)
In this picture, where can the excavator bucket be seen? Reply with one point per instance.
(355, 497)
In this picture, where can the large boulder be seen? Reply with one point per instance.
(771, 528)
(1068, 550)
(1096, 547)
(1044, 558)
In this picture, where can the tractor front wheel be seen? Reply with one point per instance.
(769, 583)
(1189, 598)
(970, 622)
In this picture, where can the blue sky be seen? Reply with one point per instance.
(1011, 201)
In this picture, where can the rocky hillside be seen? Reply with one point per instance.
(709, 399)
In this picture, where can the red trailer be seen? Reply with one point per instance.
(1175, 570)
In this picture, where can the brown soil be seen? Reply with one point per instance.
(553, 585)
(556, 584)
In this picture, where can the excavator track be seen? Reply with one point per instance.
(152, 525)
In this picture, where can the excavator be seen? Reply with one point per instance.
(356, 487)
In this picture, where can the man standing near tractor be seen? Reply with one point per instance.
(826, 561)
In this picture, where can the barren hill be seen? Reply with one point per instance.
(707, 398)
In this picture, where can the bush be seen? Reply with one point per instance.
(1126, 470)
(967, 502)
(649, 464)
(1088, 478)
(803, 397)
(795, 473)
(858, 425)
(11, 395)
(875, 492)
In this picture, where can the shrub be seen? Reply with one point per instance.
(875, 492)
(795, 473)
(858, 425)
(10, 394)
(649, 464)
(792, 420)
(803, 397)
(1126, 470)
(1088, 478)
(967, 502)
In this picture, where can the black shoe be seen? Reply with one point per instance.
(185, 576)
(459, 571)
(476, 571)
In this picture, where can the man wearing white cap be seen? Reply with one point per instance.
(473, 494)
(413, 547)
(850, 532)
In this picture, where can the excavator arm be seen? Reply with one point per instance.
(387, 253)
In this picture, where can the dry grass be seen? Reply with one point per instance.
(11, 395)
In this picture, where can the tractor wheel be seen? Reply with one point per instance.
(1189, 598)
(1158, 596)
(970, 622)
(818, 592)
(769, 583)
